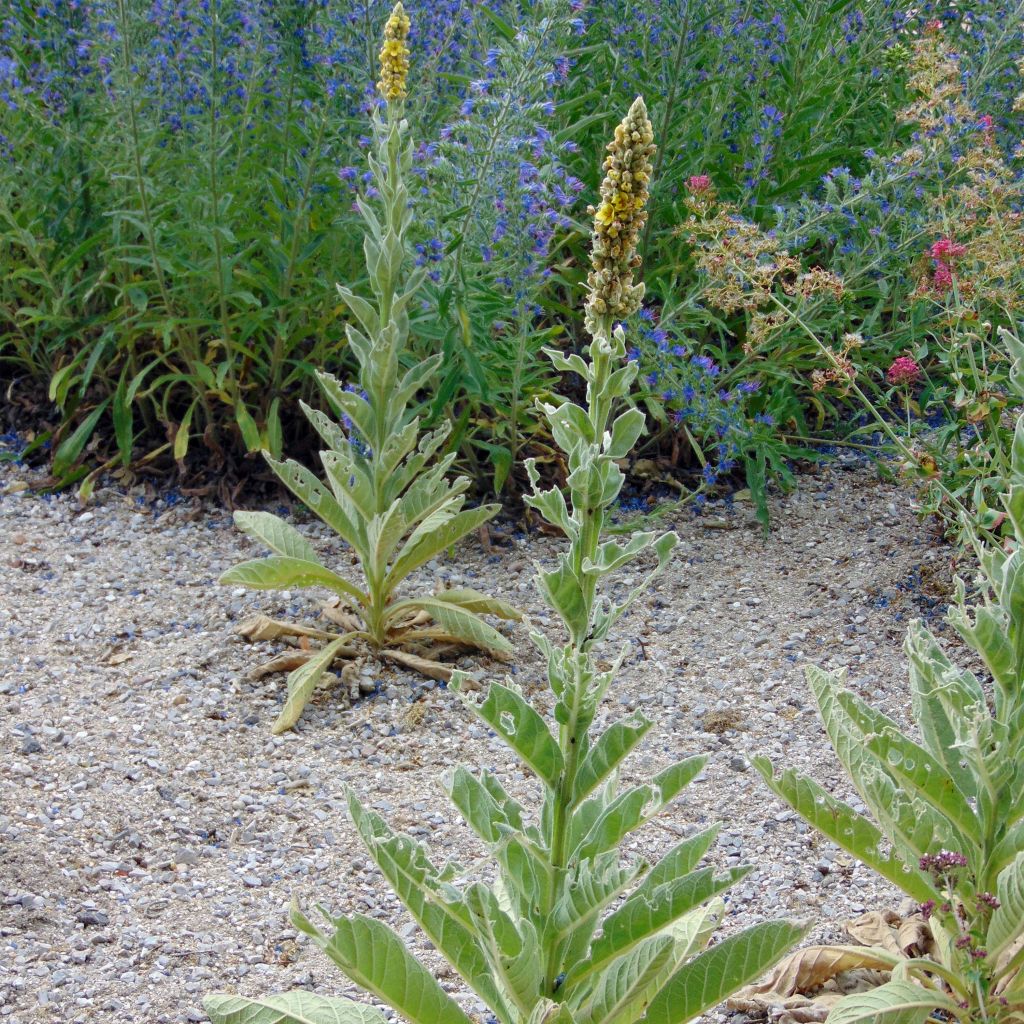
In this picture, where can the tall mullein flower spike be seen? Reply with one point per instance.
(394, 56)
(619, 220)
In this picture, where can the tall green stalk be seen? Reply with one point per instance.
(388, 494)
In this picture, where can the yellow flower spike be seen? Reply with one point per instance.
(394, 56)
(619, 220)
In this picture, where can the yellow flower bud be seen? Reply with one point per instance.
(619, 219)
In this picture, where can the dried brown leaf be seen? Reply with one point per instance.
(426, 667)
(808, 969)
(341, 616)
(262, 627)
(908, 937)
(282, 663)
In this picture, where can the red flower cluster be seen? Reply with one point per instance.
(903, 371)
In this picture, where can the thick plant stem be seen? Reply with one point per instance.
(584, 549)
(568, 741)
(598, 412)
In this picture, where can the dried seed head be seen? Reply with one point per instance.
(619, 220)
(394, 55)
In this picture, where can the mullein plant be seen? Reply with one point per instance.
(567, 928)
(947, 808)
(386, 495)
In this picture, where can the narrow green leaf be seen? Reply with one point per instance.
(715, 974)
(247, 426)
(72, 446)
(279, 572)
(182, 436)
(302, 682)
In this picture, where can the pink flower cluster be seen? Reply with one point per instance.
(945, 251)
(699, 183)
(903, 371)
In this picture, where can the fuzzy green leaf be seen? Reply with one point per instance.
(922, 774)
(376, 959)
(623, 990)
(715, 974)
(280, 573)
(513, 949)
(480, 808)
(844, 826)
(522, 728)
(416, 882)
(612, 747)
(421, 551)
(319, 499)
(1007, 924)
(479, 604)
(302, 682)
(456, 621)
(605, 619)
(649, 912)
(895, 1002)
(282, 538)
(680, 860)
(625, 432)
(298, 1007)
(931, 679)
(563, 591)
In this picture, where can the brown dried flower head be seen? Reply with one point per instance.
(842, 372)
(394, 55)
(619, 220)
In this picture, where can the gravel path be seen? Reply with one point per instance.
(152, 831)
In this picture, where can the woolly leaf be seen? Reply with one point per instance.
(298, 1007)
(895, 1002)
(709, 978)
